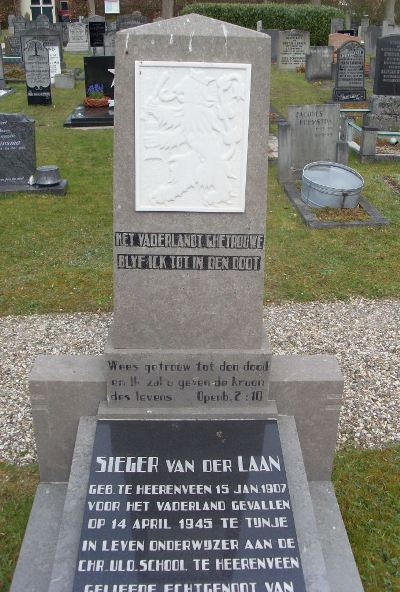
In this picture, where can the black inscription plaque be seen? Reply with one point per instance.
(189, 506)
(96, 33)
(349, 83)
(387, 68)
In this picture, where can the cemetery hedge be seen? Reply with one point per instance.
(316, 19)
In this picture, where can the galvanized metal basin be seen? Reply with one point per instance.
(47, 175)
(330, 185)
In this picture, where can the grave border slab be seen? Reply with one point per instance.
(311, 220)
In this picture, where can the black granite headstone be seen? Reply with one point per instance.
(37, 69)
(349, 32)
(96, 33)
(349, 83)
(97, 72)
(387, 66)
(17, 149)
(189, 505)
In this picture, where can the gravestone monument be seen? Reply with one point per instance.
(13, 46)
(17, 149)
(337, 24)
(350, 77)
(371, 36)
(37, 68)
(387, 66)
(50, 37)
(18, 172)
(292, 49)
(77, 37)
(179, 502)
(100, 71)
(10, 19)
(274, 34)
(42, 22)
(97, 29)
(54, 61)
(109, 43)
(127, 21)
(2, 80)
(319, 63)
(312, 133)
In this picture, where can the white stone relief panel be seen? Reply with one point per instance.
(191, 136)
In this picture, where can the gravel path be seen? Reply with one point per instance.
(363, 334)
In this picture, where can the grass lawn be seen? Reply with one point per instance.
(56, 255)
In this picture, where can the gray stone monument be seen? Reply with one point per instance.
(350, 75)
(2, 80)
(109, 43)
(337, 24)
(11, 18)
(187, 346)
(50, 37)
(319, 62)
(37, 68)
(312, 133)
(78, 39)
(127, 21)
(292, 49)
(371, 36)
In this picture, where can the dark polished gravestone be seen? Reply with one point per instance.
(350, 77)
(213, 506)
(97, 31)
(387, 67)
(100, 71)
(37, 68)
(18, 157)
(17, 149)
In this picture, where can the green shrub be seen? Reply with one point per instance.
(316, 19)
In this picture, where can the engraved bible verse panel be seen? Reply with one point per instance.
(191, 136)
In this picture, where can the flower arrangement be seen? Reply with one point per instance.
(95, 96)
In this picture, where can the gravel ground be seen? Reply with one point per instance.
(363, 334)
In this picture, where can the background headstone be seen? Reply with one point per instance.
(2, 80)
(49, 37)
(337, 24)
(77, 37)
(387, 66)
(97, 71)
(19, 25)
(371, 36)
(319, 62)
(37, 69)
(274, 34)
(109, 43)
(13, 46)
(389, 28)
(54, 61)
(350, 76)
(42, 22)
(384, 113)
(127, 21)
(292, 49)
(315, 133)
(11, 18)
(17, 149)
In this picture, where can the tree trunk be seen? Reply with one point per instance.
(91, 8)
(389, 10)
(167, 9)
